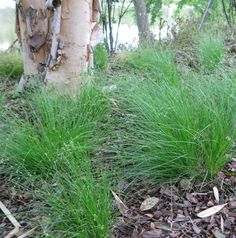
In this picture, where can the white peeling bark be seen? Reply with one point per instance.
(74, 38)
(32, 29)
(57, 39)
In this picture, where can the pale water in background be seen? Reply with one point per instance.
(128, 34)
(7, 23)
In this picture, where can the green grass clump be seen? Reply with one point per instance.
(52, 122)
(54, 144)
(179, 131)
(11, 65)
(100, 57)
(2, 98)
(210, 52)
(159, 64)
(80, 201)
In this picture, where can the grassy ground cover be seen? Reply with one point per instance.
(52, 144)
(149, 116)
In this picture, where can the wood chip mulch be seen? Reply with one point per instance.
(22, 207)
(173, 211)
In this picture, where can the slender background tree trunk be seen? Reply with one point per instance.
(142, 20)
(206, 13)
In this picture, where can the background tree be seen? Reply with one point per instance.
(229, 10)
(142, 20)
(153, 8)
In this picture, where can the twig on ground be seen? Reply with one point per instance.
(8, 214)
(28, 233)
(12, 219)
(13, 232)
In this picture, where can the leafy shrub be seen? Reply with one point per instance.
(185, 36)
(179, 131)
(11, 65)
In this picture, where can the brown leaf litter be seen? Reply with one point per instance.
(18, 211)
(207, 210)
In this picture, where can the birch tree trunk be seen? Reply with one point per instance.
(142, 20)
(56, 39)
(32, 27)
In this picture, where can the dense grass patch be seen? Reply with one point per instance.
(100, 57)
(11, 65)
(80, 201)
(52, 122)
(54, 143)
(159, 64)
(179, 131)
(210, 51)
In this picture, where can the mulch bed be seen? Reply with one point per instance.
(20, 204)
(177, 207)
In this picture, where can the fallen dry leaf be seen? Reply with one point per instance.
(121, 206)
(211, 211)
(218, 234)
(216, 194)
(221, 223)
(149, 215)
(28, 233)
(191, 198)
(152, 226)
(13, 233)
(152, 234)
(166, 226)
(8, 214)
(149, 203)
(185, 184)
(196, 229)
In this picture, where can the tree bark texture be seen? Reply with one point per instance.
(56, 38)
(142, 20)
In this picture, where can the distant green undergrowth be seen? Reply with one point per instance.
(100, 57)
(158, 64)
(11, 65)
(210, 50)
